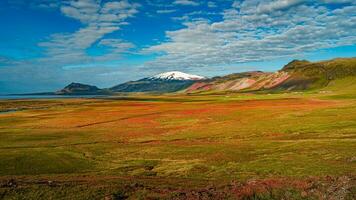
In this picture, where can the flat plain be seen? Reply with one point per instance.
(297, 145)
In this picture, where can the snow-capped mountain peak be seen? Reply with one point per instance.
(176, 75)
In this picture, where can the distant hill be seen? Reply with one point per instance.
(161, 83)
(80, 89)
(296, 75)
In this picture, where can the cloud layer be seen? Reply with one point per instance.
(258, 30)
(98, 20)
(186, 2)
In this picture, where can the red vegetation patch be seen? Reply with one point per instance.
(282, 103)
(263, 186)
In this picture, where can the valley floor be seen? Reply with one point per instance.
(227, 146)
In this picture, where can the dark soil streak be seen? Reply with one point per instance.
(120, 119)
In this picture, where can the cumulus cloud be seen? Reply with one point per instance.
(98, 20)
(186, 3)
(118, 44)
(278, 5)
(166, 11)
(338, 1)
(257, 30)
(211, 4)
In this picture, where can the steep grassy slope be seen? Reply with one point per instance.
(308, 75)
(344, 88)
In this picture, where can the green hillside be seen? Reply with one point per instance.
(309, 75)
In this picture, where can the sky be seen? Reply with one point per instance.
(47, 44)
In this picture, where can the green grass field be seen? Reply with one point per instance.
(216, 146)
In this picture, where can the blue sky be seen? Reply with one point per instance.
(46, 44)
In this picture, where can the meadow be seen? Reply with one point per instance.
(297, 145)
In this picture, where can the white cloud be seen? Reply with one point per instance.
(166, 11)
(236, 4)
(117, 47)
(98, 20)
(256, 31)
(186, 3)
(338, 1)
(278, 5)
(211, 4)
(118, 44)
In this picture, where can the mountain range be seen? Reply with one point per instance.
(295, 76)
(165, 82)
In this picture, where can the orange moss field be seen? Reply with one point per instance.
(123, 117)
(276, 140)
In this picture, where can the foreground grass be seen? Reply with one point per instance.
(159, 146)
